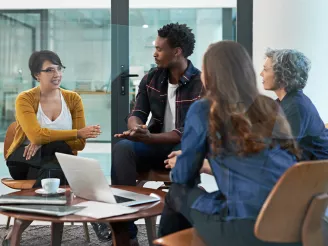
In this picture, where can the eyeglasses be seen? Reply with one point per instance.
(52, 70)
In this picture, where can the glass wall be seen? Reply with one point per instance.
(144, 23)
(17, 41)
(82, 39)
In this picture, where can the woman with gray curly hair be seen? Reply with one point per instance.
(285, 72)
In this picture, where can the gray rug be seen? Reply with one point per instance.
(73, 235)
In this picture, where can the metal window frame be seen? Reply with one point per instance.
(245, 24)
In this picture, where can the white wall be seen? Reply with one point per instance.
(297, 24)
(41, 4)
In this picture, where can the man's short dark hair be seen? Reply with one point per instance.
(179, 35)
(39, 57)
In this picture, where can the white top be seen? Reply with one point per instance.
(63, 121)
(169, 118)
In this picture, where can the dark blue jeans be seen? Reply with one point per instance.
(131, 157)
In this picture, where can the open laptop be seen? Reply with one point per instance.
(87, 180)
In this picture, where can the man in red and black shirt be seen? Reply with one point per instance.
(166, 92)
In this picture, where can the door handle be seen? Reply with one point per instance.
(124, 76)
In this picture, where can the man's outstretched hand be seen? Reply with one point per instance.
(139, 133)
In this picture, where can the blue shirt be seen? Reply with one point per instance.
(245, 182)
(306, 125)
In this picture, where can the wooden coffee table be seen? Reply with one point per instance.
(118, 224)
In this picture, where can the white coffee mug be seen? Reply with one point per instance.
(50, 185)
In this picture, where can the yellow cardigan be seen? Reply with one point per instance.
(28, 126)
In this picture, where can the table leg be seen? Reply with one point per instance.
(8, 222)
(120, 233)
(86, 231)
(151, 229)
(56, 233)
(16, 234)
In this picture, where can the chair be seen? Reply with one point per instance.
(188, 237)
(292, 212)
(23, 184)
(304, 210)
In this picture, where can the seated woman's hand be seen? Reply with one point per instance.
(170, 163)
(89, 132)
(206, 168)
(30, 150)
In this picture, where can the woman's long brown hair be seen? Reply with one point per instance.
(240, 119)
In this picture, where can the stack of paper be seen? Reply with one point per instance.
(99, 210)
(208, 182)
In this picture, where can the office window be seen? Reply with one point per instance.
(82, 39)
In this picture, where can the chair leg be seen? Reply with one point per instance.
(86, 231)
(8, 222)
(151, 229)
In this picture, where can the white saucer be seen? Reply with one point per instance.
(43, 192)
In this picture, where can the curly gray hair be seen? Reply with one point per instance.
(291, 68)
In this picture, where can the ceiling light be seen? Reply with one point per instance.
(145, 26)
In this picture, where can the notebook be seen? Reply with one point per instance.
(5, 199)
(99, 210)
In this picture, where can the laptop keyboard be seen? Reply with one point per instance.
(120, 199)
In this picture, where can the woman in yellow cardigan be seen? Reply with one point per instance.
(49, 119)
